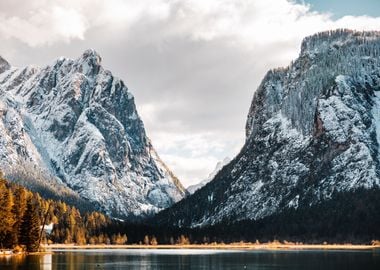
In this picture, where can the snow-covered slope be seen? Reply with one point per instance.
(191, 189)
(312, 130)
(77, 124)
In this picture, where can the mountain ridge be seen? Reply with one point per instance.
(79, 124)
(219, 165)
(311, 131)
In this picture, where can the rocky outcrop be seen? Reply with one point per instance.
(4, 65)
(313, 130)
(77, 123)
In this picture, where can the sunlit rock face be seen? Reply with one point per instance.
(77, 125)
(313, 129)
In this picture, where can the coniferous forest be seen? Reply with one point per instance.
(348, 217)
(23, 212)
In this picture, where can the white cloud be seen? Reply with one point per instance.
(192, 155)
(48, 22)
(192, 170)
(130, 12)
(249, 22)
(193, 65)
(358, 23)
(257, 23)
(44, 26)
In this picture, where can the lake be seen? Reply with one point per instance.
(195, 259)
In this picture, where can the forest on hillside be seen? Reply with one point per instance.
(23, 213)
(347, 217)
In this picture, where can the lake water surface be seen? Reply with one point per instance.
(195, 259)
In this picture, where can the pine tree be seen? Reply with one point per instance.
(30, 227)
(7, 219)
(80, 238)
(19, 208)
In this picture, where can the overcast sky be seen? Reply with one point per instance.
(192, 65)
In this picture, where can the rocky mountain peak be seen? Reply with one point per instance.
(312, 131)
(90, 61)
(4, 65)
(93, 55)
(294, 90)
(79, 123)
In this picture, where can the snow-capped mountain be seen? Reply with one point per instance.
(191, 189)
(313, 130)
(76, 125)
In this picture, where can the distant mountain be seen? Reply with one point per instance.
(74, 126)
(313, 130)
(191, 189)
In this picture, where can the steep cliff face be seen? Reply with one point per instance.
(77, 124)
(313, 129)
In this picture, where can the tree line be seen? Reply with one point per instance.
(22, 213)
(347, 217)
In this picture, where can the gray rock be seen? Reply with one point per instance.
(4, 65)
(78, 124)
(313, 129)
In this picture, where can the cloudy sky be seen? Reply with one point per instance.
(192, 65)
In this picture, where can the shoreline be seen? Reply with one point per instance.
(26, 253)
(237, 246)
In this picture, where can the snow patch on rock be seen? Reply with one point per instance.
(79, 124)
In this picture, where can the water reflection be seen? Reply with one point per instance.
(46, 261)
(194, 259)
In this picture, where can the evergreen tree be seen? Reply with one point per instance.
(19, 208)
(30, 227)
(6, 216)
